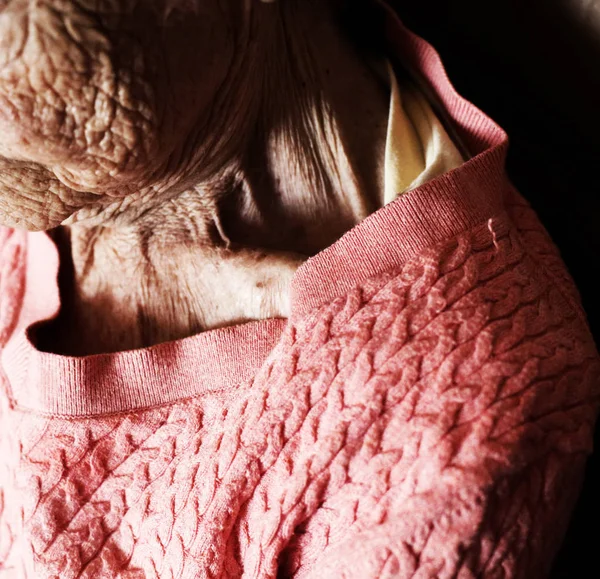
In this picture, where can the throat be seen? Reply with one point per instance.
(122, 290)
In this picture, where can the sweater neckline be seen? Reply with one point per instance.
(224, 359)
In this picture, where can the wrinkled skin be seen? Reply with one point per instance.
(98, 99)
(210, 130)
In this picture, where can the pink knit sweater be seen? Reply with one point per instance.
(426, 411)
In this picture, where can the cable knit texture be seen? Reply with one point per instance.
(425, 412)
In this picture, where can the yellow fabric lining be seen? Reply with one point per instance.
(418, 147)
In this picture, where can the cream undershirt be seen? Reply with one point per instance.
(418, 147)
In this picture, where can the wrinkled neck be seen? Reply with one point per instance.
(304, 165)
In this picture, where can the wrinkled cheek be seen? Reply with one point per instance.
(77, 103)
(109, 97)
(13, 30)
(11, 134)
(90, 143)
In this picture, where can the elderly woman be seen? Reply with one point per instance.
(269, 305)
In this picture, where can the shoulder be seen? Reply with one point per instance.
(432, 386)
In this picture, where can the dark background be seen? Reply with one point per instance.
(534, 67)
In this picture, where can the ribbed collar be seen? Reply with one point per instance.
(223, 359)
